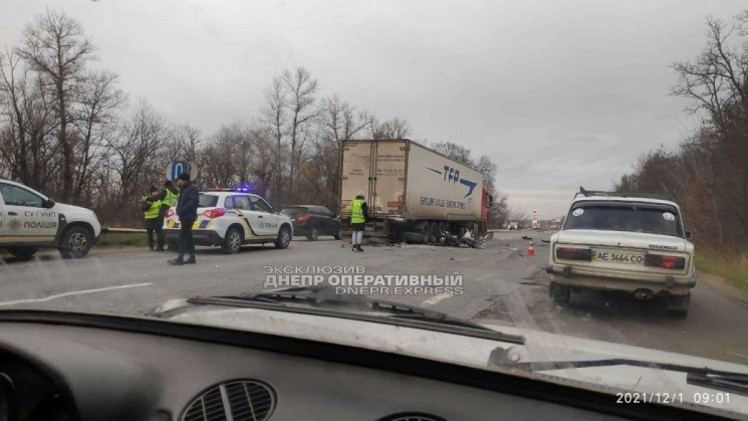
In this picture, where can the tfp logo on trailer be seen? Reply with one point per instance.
(452, 175)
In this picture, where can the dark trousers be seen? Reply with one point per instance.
(152, 226)
(186, 245)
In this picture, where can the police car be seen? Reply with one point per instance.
(231, 218)
(30, 220)
(630, 243)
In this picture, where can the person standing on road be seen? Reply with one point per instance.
(168, 196)
(359, 217)
(154, 219)
(189, 197)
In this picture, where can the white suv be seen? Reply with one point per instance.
(29, 220)
(229, 219)
(634, 244)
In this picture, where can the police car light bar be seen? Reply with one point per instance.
(244, 188)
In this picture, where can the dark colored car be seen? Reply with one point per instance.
(313, 221)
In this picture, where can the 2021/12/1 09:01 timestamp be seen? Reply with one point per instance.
(703, 398)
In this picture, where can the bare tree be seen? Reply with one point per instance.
(184, 143)
(455, 152)
(340, 121)
(29, 120)
(136, 155)
(99, 98)
(498, 213)
(56, 47)
(302, 90)
(390, 129)
(487, 168)
(714, 158)
(274, 115)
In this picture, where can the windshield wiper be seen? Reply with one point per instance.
(729, 382)
(324, 301)
(706, 377)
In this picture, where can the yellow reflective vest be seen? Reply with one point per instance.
(153, 211)
(170, 199)
(357, 211)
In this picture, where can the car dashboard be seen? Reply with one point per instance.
(57, 367)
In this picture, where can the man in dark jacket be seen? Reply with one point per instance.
(189, 198)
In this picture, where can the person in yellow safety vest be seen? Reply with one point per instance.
(154, 219)
(168, 196)
(359, 217)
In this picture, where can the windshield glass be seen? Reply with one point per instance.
(619, 217)
(575, 173)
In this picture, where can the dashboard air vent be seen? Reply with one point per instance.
(237, 400)
(412, 416)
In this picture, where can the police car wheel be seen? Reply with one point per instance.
(284, 238)
(76, 243)
(232, 244)
(313, 234)
(23, 253)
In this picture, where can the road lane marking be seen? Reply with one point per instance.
(505, 238)
(66, 294)
(737, 355)
(436, 298)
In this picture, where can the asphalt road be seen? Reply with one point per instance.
(500, 284)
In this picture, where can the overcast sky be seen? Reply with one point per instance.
(558, 94)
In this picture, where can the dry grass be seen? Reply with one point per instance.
(732, 268)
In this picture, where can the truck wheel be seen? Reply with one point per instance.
(560, 294)
(426, 233)
(232, 244)
(336, 236)
(435, 232)
(284, 238)
(76, 243)
(677, 305)
(313, 234)
(23, 254)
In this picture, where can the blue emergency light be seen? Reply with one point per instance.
(244, 188)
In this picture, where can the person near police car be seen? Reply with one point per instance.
(187, 203)
(154, 219)
(359, 218)
(168, 196)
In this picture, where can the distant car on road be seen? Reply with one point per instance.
(623, 243)
(229, 219)
(312, 221)
(29, 220)
(513, 226)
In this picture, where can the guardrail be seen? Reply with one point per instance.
(123, 230)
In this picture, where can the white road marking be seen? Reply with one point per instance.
(505, 238)
(436, 298)
(66, 294)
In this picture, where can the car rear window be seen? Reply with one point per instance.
(294, 212)
(625, 217)
(207, 201)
